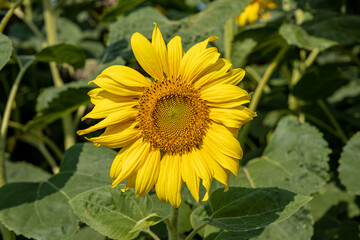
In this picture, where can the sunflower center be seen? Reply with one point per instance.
(173, 117)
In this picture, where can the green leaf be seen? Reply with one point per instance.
(244, 209)
(349, 165)
(24, 172)
(296, 35)
(87, 233)
(5, 50)
(62, 53)
(246, 42)
(55, 102)
(116, 214)
(319, 82)
(295, 159)
(343, 29)
(41, 210)
(122, 6)
(192, 29)
(297, 227)
(331, 197)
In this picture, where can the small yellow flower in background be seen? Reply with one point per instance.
(177, 129)
(254, 11)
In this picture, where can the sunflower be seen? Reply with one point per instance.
(254, 11)
(178, 127)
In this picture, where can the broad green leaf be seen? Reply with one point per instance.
(246, 42)
(244, 209)
(87, 233)
(331, 197)
(122, 6)
(350, 165)
(5, 50)
(24, 172)
(210, 21)
(116, 214)
(296, 35)
(319, 82)
(297, 227)
(192, 29)
(295, 159)
(55, 102)
(62, 53)
(343, 29)
(41, 210)
(68, 31)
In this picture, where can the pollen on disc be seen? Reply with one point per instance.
(173, 117)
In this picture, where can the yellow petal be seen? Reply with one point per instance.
(192, 55)
(189, 177)
(175, 54)
(106, 107)
(147, 56)
(168, 186)
(217, 70)
(223, 147)
(116, 88)
(116, 165)
(232, 117)
(219, 173)
(125, 76)
(202, 169)
(133, 160)
(122, 115)
(199, 64)
(130, 183)
(117, 136)
(221, 93)
(233, 77)
(148, 174)
(160, 47)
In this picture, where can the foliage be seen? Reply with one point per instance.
(299, 175)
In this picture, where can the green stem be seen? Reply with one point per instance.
(8, 15)
(30, 24)
(253, 75)
(172, 224)
(268, 72)
(50, 26)
(322, 124)
(195, 231)
(229, 32)
(153, 235)
(260, 88)
(11, 100)
(332, 120)
(6, 233)
(41, 138)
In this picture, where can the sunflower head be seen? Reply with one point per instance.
(175, 128)
(255, 10)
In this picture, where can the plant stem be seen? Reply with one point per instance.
(172, 224)
(153, 235)
(8, 15)
(322, 124)
(260, 88)
(195, 231)
(229, 32)
(332, 120)
(39, 136)
(6, 233)
(268, 72)
(11, 100)
(50, 26)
